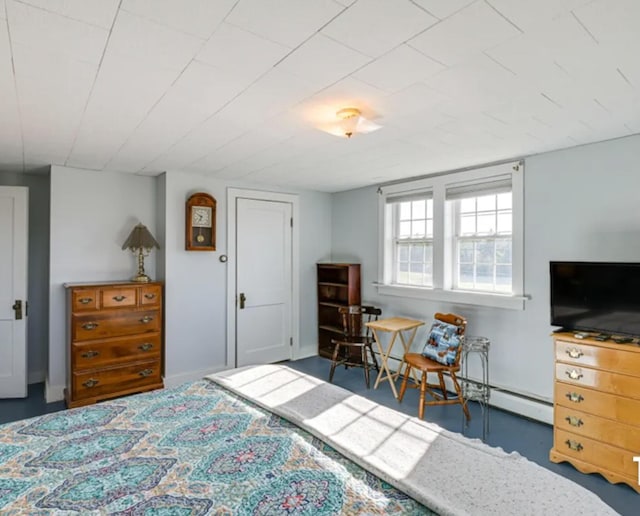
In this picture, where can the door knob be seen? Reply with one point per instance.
(243, 300)
(17, 307)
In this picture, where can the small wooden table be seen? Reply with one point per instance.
(396, 326)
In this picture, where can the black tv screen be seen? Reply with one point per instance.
(596, 296)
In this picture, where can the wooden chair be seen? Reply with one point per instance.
(451, 358)
(354, 347)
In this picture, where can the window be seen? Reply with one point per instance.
(413, 240)
(455, 237)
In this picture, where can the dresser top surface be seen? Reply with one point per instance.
(116, 283)
(589, 341)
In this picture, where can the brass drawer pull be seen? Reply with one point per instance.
(90, 354)
(91, 383)
(146, 319)
(149, 296)
(119, 298)
(90, 326)
(574, 374)
(574, 352)
(574, 397)
(573, 445)
(145, 347)
(146, 372)
(574, 421)
(85, 300)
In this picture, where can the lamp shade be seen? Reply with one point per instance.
(140, 238)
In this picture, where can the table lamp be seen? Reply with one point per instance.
(140, 241)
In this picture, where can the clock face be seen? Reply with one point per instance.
(201, 217)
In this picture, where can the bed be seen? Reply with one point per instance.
(259, 440)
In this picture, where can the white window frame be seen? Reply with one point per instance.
(443, 231)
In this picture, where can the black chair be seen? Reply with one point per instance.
(354, 348)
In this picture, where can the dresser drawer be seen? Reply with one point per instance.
(618, 360)
(605, 381)
(598, 428)
(114, 324)
(625, 410)
(118, 297)
(150, 295)
(89, 384)
(100, 353)
(83, 300)
(604, 456)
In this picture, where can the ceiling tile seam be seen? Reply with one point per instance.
(629, 128)
(505, 17)
(541, 122)
(544, 95)
(445, 65)
(561, 68)
(602, 106)
(427, 10)
(626, 79)
(15, 89)
(164, 25)
(93, 83)
(584, 27)
(61, 15)
(501, 65)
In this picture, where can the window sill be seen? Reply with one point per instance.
(454, 296)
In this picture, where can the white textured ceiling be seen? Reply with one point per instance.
(234, 88)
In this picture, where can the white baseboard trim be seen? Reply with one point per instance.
(306, 353)
(178, 379)
(53, 392)
(36, 377)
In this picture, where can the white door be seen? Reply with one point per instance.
(13, 291)
(263, 281)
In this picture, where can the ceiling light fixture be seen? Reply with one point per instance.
(350, 122)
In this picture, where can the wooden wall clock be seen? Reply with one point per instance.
(200, 223)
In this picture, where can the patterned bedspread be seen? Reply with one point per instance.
(195, 449)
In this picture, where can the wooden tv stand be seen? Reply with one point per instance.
(596, 423)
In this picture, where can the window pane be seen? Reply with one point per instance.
(468, 205)
(430, 209)
(465, 252)
(429, 233)
(503, 277)
(417, 267)
(504, 222)
(417, 253)
(485, 251)
(418, 229)
(487, 224)
(504, 201)
(403, 252)
(487, 202)
(484, 275)
(503, 251)
(403, 266)
(405, 229)
(467, 225)
(465, 279)
(405, 210)
(419, 209)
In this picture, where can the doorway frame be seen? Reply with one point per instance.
(233, 194)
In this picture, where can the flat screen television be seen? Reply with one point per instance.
(596, 296)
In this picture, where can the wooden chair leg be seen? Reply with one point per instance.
(443, 389)
(334, 361)
(365, 364)
(373, 357)
(403, 387)
(463, 402)
(423, 391)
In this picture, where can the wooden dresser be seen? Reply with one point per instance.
(597, 407)
(115, 340)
